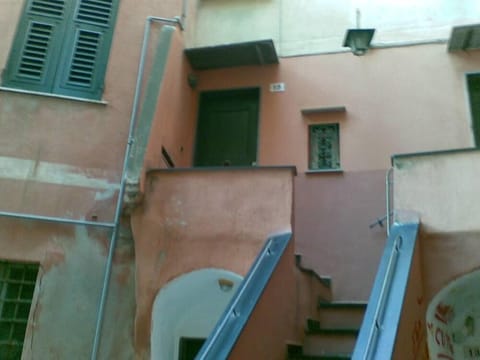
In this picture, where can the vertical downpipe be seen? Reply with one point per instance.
(388, 200)
(118, 210)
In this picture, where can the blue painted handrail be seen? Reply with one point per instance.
(376, 339)
(228, 329)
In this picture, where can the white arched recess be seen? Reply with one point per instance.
(453, 320)
(189, 306)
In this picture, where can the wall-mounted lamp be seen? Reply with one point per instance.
(192, 80)
(225, 284)
(358, 40)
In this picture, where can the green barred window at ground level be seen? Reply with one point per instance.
(17, 285)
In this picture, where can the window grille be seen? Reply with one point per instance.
(17, 284)
(324, 147)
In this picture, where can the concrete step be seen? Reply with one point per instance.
(322, 357)
(345, 314)
(320, 285)
(295, 352)
(321, 342)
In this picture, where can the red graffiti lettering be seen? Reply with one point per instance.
(443, 313)
(419, 345)
(443, 340)
(430, 327)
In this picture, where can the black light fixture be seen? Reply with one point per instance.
(358, 40)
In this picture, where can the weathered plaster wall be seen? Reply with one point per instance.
(442, 187)
(50, 157)
(116, 340)
(175, 315)
(431, 185)
(76, 146)
(452, 317)
(64, 158)
(446, 256)
(313, 26)
(175, 116)
(11, 10)
(332, 217)
(390, 109)
(411, 339)
(193, 219)
(390, 106)
(224, 22)
(274, 320)
(448, 205)
(64, 309)
(318, 26)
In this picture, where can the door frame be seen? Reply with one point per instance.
(474, 125)
(225, 91)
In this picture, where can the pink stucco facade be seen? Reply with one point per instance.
(63, 158)
(193, 219)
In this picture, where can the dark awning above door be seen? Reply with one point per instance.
(260, 52)
(464, 38)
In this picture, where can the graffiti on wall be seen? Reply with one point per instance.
(419, 344)
(451, 320)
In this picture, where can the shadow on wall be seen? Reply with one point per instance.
(189, 307)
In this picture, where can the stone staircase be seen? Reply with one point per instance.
(332, 332)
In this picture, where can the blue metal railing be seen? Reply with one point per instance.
(376, 339)
(228, 329)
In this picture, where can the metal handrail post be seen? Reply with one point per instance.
(388, 191)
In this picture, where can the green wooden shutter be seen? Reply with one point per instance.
(32, 61)
(86, 49)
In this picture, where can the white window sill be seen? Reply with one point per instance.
(57, 96)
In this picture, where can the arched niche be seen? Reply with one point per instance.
(189, 306)
(453, 320)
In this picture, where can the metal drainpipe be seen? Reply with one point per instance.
(53, 219)
(118, 211)
(388, 184)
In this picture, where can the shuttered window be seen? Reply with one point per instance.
(324, 147)
(62, 47)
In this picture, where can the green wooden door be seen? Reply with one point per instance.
(227, 128)
(474, 95)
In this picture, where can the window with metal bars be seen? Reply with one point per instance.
(324, 147)
(62, 47)
(17, 284)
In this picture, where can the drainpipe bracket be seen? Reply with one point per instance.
(132, 197)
